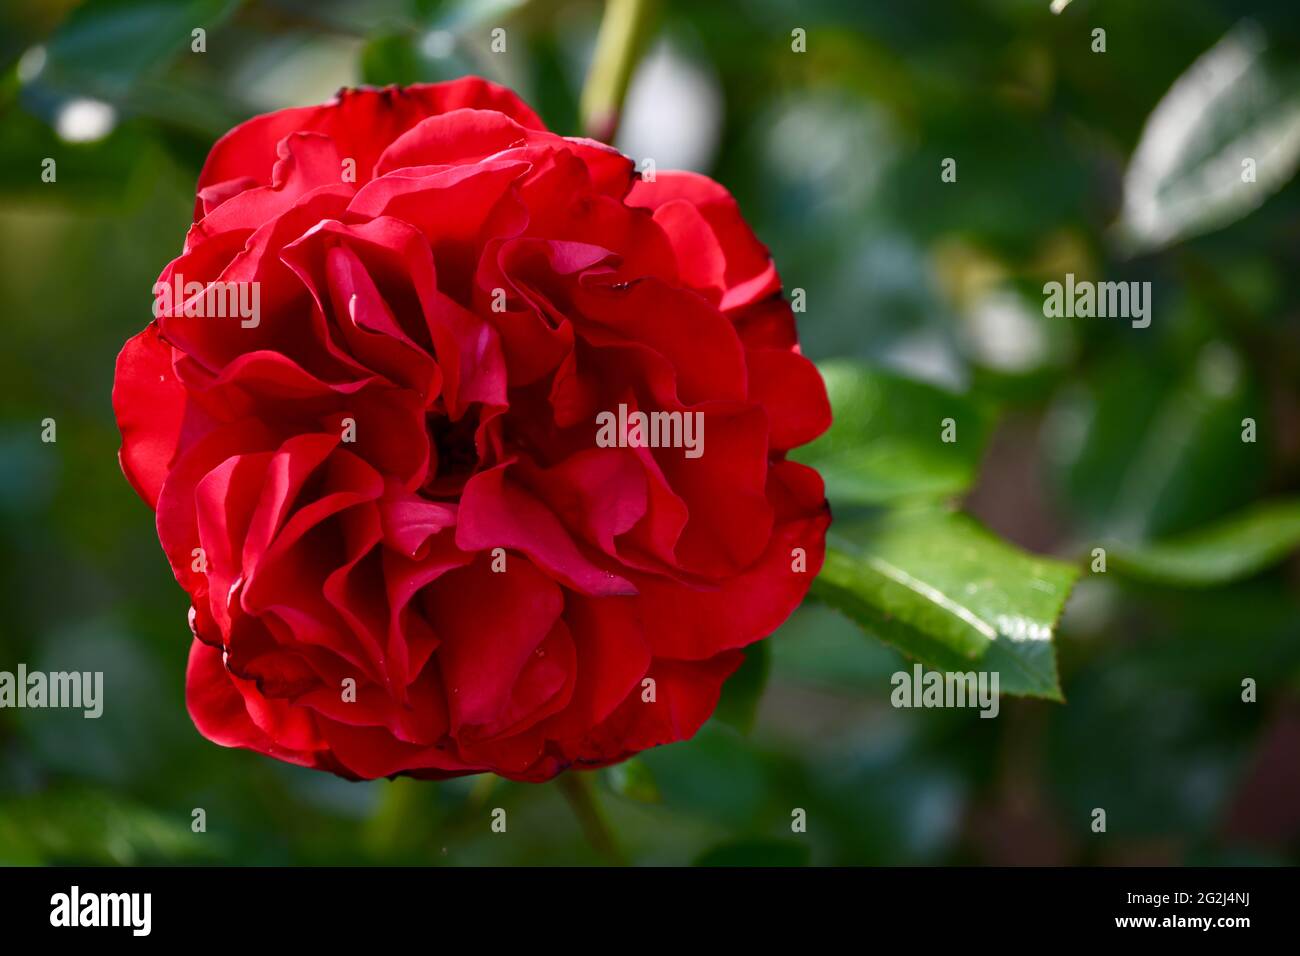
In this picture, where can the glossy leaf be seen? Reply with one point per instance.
(1188, 174)
(942, 589)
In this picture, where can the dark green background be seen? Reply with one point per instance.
(1104, 433)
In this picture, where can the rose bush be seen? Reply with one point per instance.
(404, 548)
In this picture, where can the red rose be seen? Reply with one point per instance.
(369, 428)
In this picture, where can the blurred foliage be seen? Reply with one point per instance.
(905, 458)
(923, 302)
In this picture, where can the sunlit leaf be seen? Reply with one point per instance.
(942, 589)
(1224, 138)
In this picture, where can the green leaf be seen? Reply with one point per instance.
(885, 443)
(1227, 551)
(744, 689)
(942, 589)
(1186, 175)
(756, 853)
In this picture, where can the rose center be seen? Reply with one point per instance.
(454, 456)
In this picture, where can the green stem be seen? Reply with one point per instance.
(623, 30)
(576, 787)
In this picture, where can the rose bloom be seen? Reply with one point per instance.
(405, 550)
